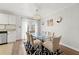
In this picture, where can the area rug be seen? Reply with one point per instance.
(40, 50)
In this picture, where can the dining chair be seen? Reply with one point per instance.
(53, 44)
(31, 39)
(34, 41)
(56, 43)
(37, 42)
(28, 37)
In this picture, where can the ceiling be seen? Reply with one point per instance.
(54, 6)
(28, 9)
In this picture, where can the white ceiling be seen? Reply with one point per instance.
(28, 9)
(17, 8)
(54, 6)
(50, 8)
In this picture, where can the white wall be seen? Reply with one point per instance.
(68, 28)
(16, 34)
(18, 27)
(24, 28)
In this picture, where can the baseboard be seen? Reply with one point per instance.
(11, 42)
(69, 47)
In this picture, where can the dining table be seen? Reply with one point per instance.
(40, 37)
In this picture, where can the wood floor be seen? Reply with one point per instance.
(18, 48)
(69, 51)
(6, 49)
(66, 50)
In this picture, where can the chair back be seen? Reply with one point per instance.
(55, 43)
(28, 37)
(31, 40)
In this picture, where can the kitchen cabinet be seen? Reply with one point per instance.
(7, 22)
(10, 27)
(3, 19)
(2, 27)
(11, 36)
(7, 19)
(12, 19)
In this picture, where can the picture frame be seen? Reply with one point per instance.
(50, 22)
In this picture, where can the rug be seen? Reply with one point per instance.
(40, 50)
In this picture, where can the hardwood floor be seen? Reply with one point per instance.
(18, 48)
(66, 50)
(6, 49)
(69, 51)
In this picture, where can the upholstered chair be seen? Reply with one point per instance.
(48, 44)
(31, 40)
(53, 44)
(37, 42)
(28, 37)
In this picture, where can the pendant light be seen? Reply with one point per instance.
(37, 15)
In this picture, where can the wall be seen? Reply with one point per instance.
(24, 28)
(18, 27)
(15, 35)
(68, 28)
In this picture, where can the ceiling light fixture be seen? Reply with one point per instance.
(37, 15)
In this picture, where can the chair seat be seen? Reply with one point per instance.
(48, 45)
(52, 45)
(37, 41)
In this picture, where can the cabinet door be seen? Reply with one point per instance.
(11, 36)
(2, 27)
(10, 27)
(12, 19)
(3, 19)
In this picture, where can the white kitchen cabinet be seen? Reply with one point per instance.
(12, 19)
(10, 27)
(18, 28)
(3, 19)
(2, 27)
(11, 36)
(7, 19)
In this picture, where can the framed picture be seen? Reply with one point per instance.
(50, 22)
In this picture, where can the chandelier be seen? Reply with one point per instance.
(37, 15)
